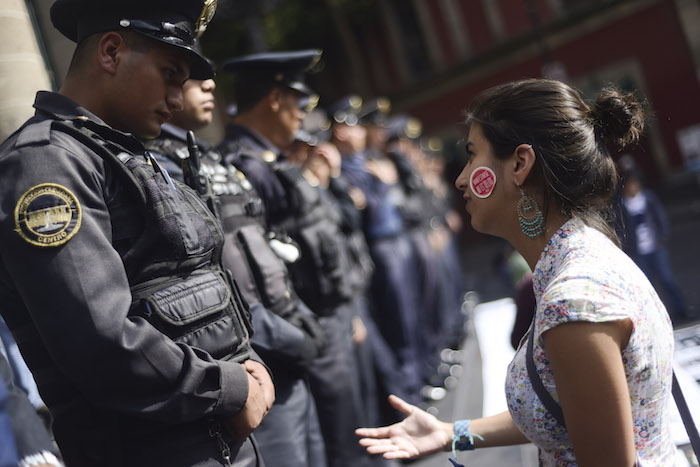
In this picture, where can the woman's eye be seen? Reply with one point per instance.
(470, 153)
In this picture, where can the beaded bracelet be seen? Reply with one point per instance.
(463, 439)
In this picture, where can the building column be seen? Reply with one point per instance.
(457, 29)
(395, 41)
(427, 25)
(22, 67)
(689, 16)
(493, 16)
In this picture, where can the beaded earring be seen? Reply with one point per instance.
(530, 216)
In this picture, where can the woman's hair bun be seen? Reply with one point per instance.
(618, 118)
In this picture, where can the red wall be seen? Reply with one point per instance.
(652, 36)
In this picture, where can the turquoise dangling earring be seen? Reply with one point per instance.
(530, 216)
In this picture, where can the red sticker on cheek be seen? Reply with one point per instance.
(482, 181)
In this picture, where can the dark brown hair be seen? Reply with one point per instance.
(571, 140)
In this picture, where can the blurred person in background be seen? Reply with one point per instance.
(24, 440)
(644, 229)
(394, 299)
(272, 100)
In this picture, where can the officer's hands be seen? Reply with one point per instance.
(261, 396)
(383, 169)
(259, 372)
(358, 197)
(310, 325)
(359, 330)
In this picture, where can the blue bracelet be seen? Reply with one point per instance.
(463, 439)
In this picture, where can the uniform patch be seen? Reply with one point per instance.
(47, 215)
(482, 182)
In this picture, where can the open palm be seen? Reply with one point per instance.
(419, 434)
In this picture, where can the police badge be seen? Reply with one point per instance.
(205, 17)
(47, 215)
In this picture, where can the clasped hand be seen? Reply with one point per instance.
(261, 396)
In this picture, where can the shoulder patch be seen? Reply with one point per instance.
(47, 215)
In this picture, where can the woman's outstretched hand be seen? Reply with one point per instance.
(419, 434)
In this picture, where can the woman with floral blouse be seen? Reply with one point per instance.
(540, 174)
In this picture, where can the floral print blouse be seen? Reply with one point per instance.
(582, 276)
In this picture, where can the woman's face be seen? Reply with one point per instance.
(485, 193)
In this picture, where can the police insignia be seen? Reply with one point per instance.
(269, 156)
(47, 215)
(206, 16)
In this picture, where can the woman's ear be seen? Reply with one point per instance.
(522, 163)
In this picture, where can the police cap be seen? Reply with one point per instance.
(283, 68)
(403, 126)
(346, 110)
(315, 128)
(375, 112)
(173, 22)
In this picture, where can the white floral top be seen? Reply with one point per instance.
(582, 276)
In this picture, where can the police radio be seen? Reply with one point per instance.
(192, 173)
(191, 166)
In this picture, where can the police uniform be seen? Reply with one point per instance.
(425, 216)
(296, 209)
(287, 335)
(111, 277)
(394, 300)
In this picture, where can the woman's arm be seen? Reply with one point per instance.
(421, 434)
(590, 378)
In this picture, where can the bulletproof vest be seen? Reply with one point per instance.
(320, 275)
(174, 265)
(360, 262)
(260, 274)
(415, 206)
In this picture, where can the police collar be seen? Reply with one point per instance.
(59, 107)
(180, 134)
(235, 132)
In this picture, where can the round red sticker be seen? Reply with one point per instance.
(482, 182)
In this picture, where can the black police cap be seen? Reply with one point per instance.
(375, 112)
(284, 68)
(172, 22)
(403, 126)
(346, 110)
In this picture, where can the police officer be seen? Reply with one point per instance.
(111, 278)
(272, 101)
(287, 335)
(393, 290)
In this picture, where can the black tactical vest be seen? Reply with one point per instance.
(174, 266)
(320, 275)
(260, 274)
